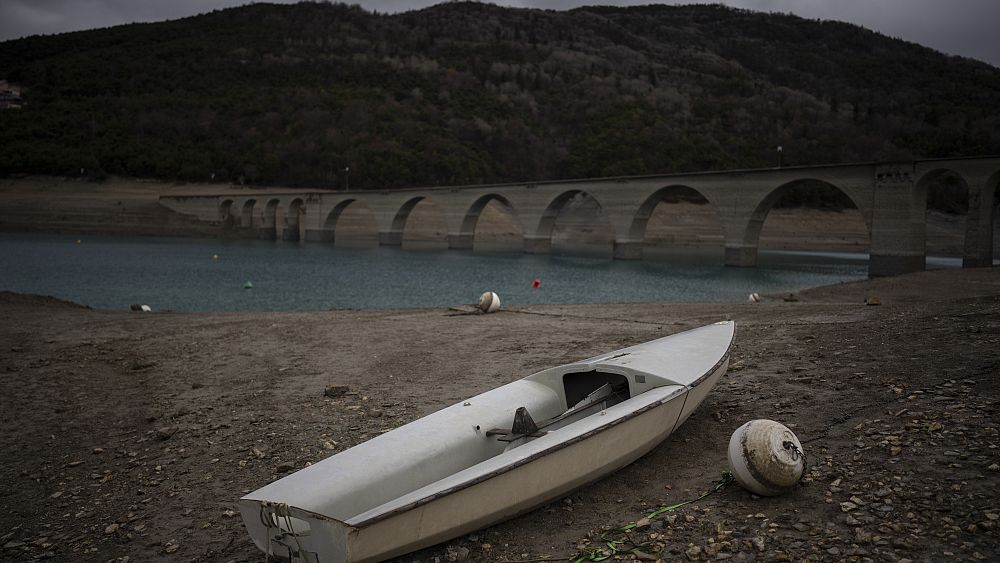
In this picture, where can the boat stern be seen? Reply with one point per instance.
(292, 534)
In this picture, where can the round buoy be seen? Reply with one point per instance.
(247, 285)
(754, 297)
(215, 257)
(78, 241)
(537, 283)
(766, 457)
(489, 302)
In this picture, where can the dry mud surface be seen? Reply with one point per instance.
(131, 436)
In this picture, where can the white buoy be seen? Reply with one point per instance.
(766, 457)
(489, 302)
(754, 297)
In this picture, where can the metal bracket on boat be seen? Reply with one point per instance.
(524, 427)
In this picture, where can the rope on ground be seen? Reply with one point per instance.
(620, 541)
(850, 413)
(583, 317)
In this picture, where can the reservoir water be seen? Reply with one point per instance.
(182, 275)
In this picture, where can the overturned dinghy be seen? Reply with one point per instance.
(491, 457)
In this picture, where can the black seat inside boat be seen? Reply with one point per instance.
(584, 391)
(589, 385)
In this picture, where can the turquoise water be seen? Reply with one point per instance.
(181, 274)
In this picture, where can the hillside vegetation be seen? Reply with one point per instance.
(470, 93)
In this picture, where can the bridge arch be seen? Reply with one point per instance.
(466, 236)
(350, 210)
(638, 229)
(295, 222)
(750, 236)
(475, 210)
(540, 241)
(943, 195)
(246, 213)
(272, 216)
(991, 197)
(226, 214)
(418, 221)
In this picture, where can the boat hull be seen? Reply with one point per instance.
(525, 487)
(534, 473)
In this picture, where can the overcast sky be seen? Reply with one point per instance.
(957, 27)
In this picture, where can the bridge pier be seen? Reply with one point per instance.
(266, 233)
(627, 249)
(460, 241)
(390, 238)
(537, 245)
(741, 256)
(978, 251)
(317, 235)
(898, 230)
(881, 265)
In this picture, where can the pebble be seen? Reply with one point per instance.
(336, 390)
(111, 529)
(165, 432)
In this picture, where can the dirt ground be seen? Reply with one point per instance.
(130, 436)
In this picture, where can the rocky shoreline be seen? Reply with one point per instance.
(130, 436)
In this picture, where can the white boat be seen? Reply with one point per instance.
(490, 457)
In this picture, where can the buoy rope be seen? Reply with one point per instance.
(620, 541)
(583, 317)
(850, 413)
(790, 446)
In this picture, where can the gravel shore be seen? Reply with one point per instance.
(130, 436)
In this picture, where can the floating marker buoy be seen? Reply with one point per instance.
(247, 285)
(754, 297)
(537, 283)
(78, 241)
(489, 302)
(766, 457)
(215, 257)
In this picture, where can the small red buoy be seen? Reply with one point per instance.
(536, 284)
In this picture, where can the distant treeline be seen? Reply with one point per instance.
(329, 95)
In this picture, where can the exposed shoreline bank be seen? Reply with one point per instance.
(131, 434)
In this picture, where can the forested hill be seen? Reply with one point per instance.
(467, 93)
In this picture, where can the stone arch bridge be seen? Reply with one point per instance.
(890, 196)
